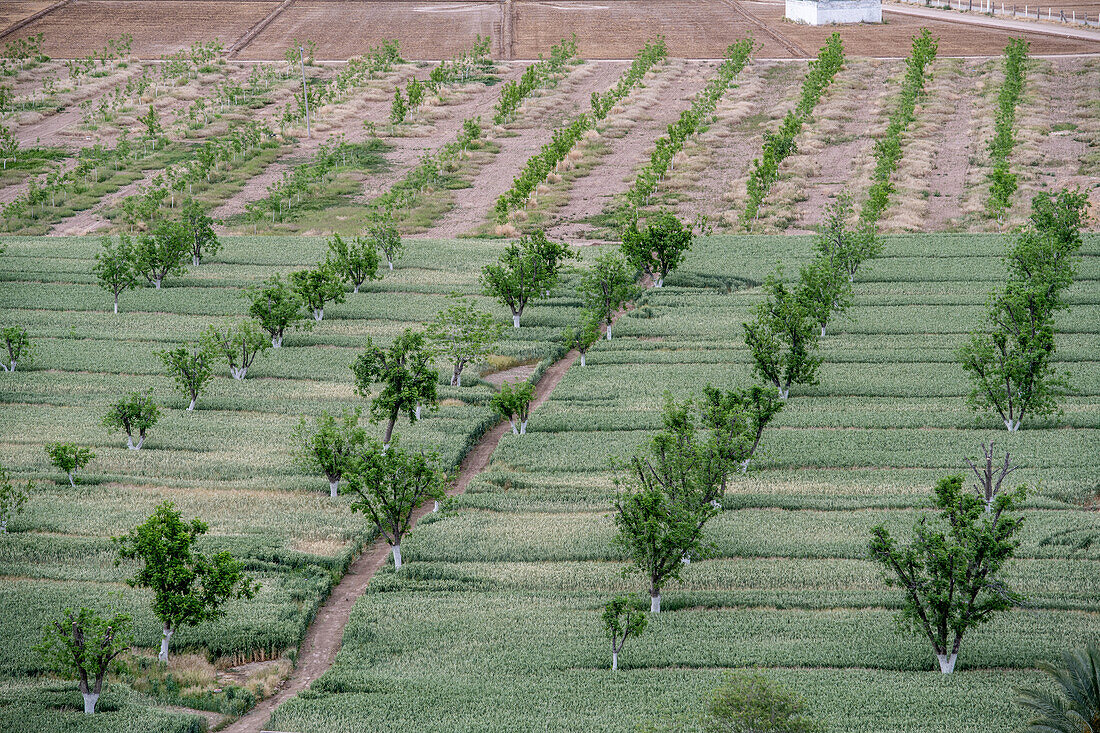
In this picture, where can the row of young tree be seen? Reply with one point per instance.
(471, 62)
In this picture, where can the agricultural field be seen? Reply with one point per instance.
(402, 167)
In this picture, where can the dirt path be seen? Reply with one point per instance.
(952, 151)
(474, 204)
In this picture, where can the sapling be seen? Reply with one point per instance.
(949, 572)
(135, 413)
(191, 367)
(82, 644)
(161, 253)
(584, 335)
(115, 268)
(239, 345)
(13, 499)
(659, 248)
(199, 229)
(18, 346)
(513, 403)
(276, 307)
(463, 334)
(331, 446)
(389, 484)
(846, 248)
(69, 458)
(317, 287)
(407, 377)
(622, 621)
(188, 586)
(383, 234)
(783, 338)
(824, 291)
(606, 287)
(355, 260)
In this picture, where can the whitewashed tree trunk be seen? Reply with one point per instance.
(318, 314)
(655, 603)
(194, 261)
(582, 358)
(435, 506)
(355, 289)
(71, 482)
(238, 372)
(397, 556)
(334, 488)
(5, 366)
(156, 283)
(166, 636)
(745, 465)
(1012, 425)
(90, 700)
(191, 407)
(783, 392)
(116, 305)
(3, 526)
(276, 342)
(515, 321)
(513, 424)
(418, 412)
(660, 282)
(851, 277)
(614, 658)
(523, 427)
(947, 662)
(390, 262)
(609, 332)
(686, 559)
(822, 332)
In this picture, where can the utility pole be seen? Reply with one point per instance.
(305, 92)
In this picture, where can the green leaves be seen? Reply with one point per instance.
(407, 377)
(513, 403)
(1002, 182)
(536, 75)
(330, 448)
(356, 260)
(783, 338)
(191, 367)
(607, 286)
(318, 286)
(136, 412)
(660, 248)
(526, 270)
(276, 307)
(82, 644)
(463, 334)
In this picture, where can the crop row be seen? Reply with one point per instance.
(1002, 181)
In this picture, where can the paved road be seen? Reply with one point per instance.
(955, 16)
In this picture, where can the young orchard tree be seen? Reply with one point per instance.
(463, 334)
(526, 271)
(317, 287)
(239, 345)
(191, 367)
(188, 586)
(736, 420)
(199, 228)
(606, 287)
(82, 644)
(135, 413)
(13, 499)
(383, 235)
(69, 458)
(18, 346)
(161, 253)
(277, 308)
(389, 484)
(659, 248)
(584, 335)
(949, 572)
(114, 267)
(622, 621)
(783, 338)
(356, 261)
(824, 291)
(407, 377)
(330, 447)
(513, 403)
(845, 247)
(550, 258)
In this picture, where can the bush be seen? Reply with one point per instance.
(751, 703)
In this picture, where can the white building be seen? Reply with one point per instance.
(829, 12)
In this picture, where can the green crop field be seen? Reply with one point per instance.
(494, 623)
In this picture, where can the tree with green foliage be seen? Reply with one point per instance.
(199, 228)
(331, 446)
(606, 287)
(659, 248)
(13, 499)
(526, 271)
(18, 345)
(843, 246)
(114, 266)
(9, 148)
(389, 484)
(316, 287)
(1011, 360)
(399, 108)
(407, 377)
(191, 367)
(949, 571)
(622, 621)
(153, 128)
(135, 412)
(782, 338)
(584, 335)
(355, 260)
(276, 307)
(189, 587)
(513, 403)
(1074, 705)
(382, 233)
(239, 345)
(824, 291)
(736, 420)
(161, 253)
(69, 458)
(82, 644)
(751, 703)
(463, 334)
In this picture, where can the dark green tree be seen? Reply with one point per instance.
(606, 287)
(406, 375)
(316, 287)
(277, 308)
(135, 413)
(82, 644)
(201, 238)
(783, 338)
(659, 248)
(330, 447)
(622, 621)
(115, 266)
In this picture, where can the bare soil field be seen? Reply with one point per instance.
(13, 11)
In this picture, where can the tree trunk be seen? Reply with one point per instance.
(90, 700)
(318, 314)
(116, 305)
(523, 427)
(166, 636)
(389, 430)
(3, 526)
(390, 262)
(191, 407)
(513, 424)
(355, 289)
(655, 602)
(194, 260)
(333, 488)
(614, 658)
(823, 332)
(515, 321)
(1012, 425)
(745, 465)
(71, 482)
(417, 412)
(276, 342)
(156, 283)
(686, 559)
(947, 662)
(130, 442)
(435, 506)
(397, 556)
(609, 332)
(582, 358)
(660, 282)
(783, 392)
